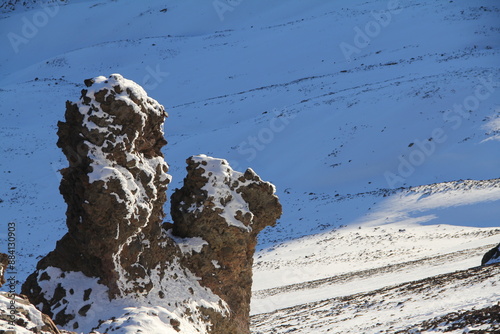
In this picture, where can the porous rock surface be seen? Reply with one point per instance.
(120, 268)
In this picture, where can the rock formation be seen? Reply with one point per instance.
(491, 256)
(227, 209)
(119, 268)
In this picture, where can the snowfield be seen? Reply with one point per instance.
(401, 308)
(377, 121)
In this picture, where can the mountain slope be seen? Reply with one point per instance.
(362, 113)
(402, 308)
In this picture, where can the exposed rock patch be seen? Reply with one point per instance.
(119, 268)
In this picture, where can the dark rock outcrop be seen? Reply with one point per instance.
(491, 256)
(119, 267)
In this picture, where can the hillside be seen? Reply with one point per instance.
(378, 122)
(429, 305)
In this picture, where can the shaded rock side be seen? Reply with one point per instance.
(491, 256)
(226, 210)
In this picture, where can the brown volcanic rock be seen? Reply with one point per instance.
(118, 268)
(227, 209)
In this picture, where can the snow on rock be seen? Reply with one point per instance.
(188, 245)
(115, 183)
(227, 209)
(484, 320)
(450, 303)
(175, 301)
(121, 269)
(224, 195)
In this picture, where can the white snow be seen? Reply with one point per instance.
(126, 315)
(493, 127)
(188, 245)
(103, 168)
(415, 251)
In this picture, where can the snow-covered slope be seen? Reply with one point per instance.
(430, 305)
(362, 113)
